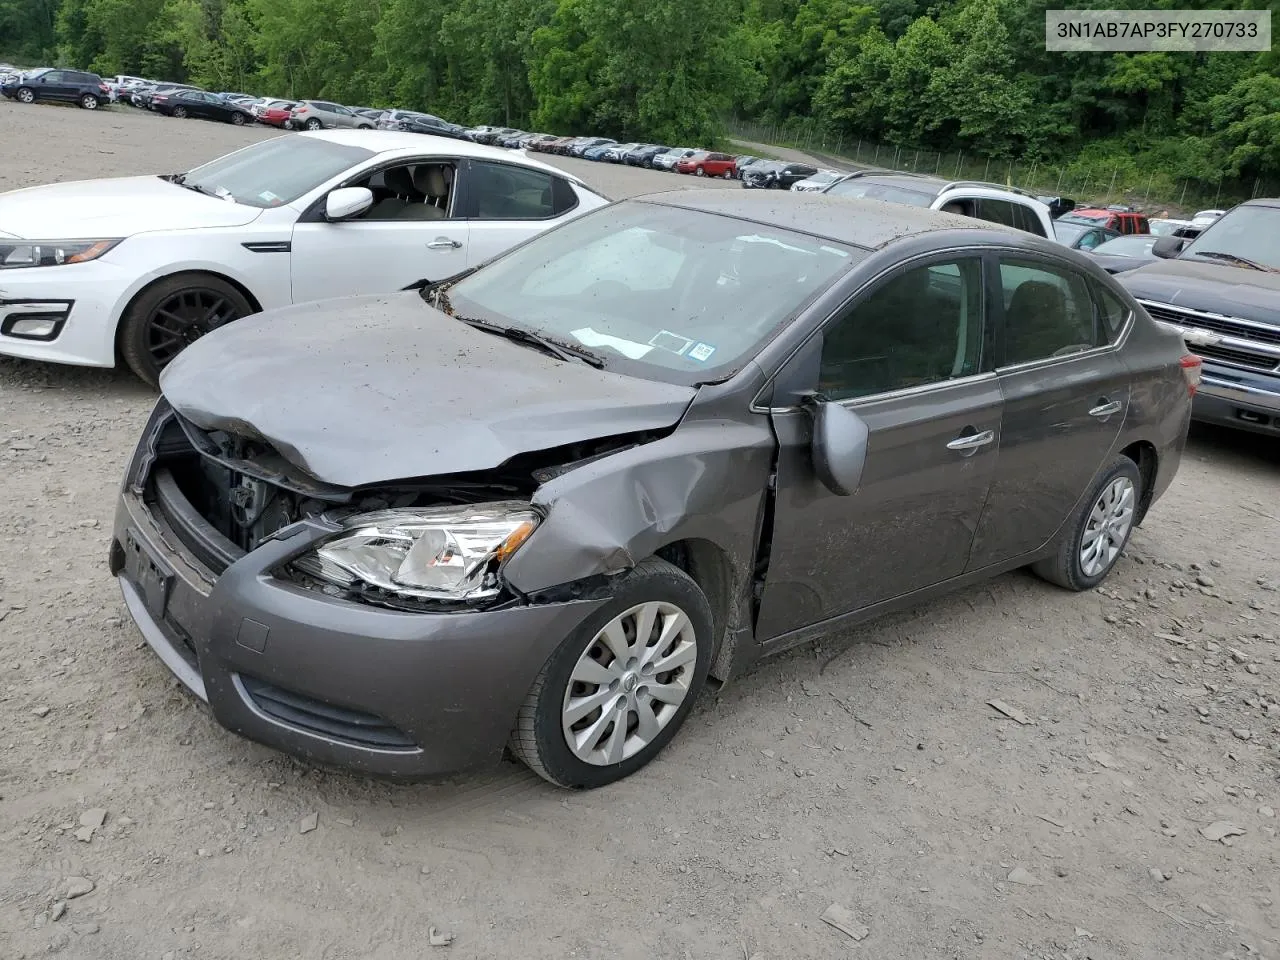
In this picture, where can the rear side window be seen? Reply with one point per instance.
(999, 211)
(1048, 312)
(1027, 219)
(501, 192)
(1112, 314)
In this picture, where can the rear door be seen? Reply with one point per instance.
(1066, 395)
(912, 358)
(505, 204)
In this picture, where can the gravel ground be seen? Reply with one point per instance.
(868, 771)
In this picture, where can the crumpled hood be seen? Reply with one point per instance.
(1211, 287)
(120, 207)
(366, 390)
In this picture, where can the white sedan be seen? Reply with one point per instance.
(136, 268)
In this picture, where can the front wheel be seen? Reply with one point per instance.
(238, 119)
(172, 314)
(618, 688)
(26, 95)
(89, 102)
(314, 124)
(1093, 542)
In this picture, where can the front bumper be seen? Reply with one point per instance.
(334, 682)
(88, 294)
(1239, 399)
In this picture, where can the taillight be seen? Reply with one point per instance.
(1191, 365)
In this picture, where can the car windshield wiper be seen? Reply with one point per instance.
(1220, 255)
(181, 180)
(521, 335)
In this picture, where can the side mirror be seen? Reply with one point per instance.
(347, 202)
(1167, 248)
(839, 446)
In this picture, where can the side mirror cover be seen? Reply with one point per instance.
(347, 202)
(839, 446)
(1167, 248)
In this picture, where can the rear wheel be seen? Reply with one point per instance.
(89, 102)
(728, 174)
(172, 314)
(1093, 542)
(616, 690)
(179, 112)
(238, 119)
(26, 95)
(700, 172)
(313, 124)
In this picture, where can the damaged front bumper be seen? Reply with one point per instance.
(333, 681)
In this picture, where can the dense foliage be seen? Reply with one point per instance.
(967, 75)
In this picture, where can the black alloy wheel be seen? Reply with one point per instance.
(171, 315)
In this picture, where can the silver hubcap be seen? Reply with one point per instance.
(26, 96)
(90, 103)
(629, 683)
(1108, 526)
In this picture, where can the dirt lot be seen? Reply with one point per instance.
(868, 771)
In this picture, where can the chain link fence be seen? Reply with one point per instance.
(1092, 183)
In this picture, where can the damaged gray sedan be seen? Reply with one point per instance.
(537, 506)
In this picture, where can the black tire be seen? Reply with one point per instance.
(178, 113)
(698, 171)
(313, 124)
(238, 119)
(728, 174)
(25, 95)
(89, 102)
(152, 331)
(539, 738)
(1065, 567)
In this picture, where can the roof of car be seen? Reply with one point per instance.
(392, 141)
(856, 221)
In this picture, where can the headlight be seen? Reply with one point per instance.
(435, 553)
(51, 253)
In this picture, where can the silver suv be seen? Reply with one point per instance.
(321, 114)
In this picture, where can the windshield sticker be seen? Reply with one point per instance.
(628, 348)
(268, 197)
(671, 342)
(701, 352)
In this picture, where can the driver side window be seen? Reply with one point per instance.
(923, 325)
(411, 191)
(1047, 312)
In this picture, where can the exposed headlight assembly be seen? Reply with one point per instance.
(433, 553)
(51, 253)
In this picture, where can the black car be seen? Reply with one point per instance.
(68, 86)
(412, 122)
(205, 106)
(1121, 254)
(642, 156)
(776, 175)
(143, 96)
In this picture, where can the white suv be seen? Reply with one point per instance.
(970, 198)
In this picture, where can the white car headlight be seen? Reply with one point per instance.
(51, 253)
(432, 553)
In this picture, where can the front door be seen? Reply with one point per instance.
(912, 359)
(55, 85)
(1066, 393)
(393, 245)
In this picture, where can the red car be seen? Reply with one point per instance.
(1124, 220)
(274, 112)
(705, 164)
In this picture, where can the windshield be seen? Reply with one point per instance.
(1090, 219)
(1069, 232)
(1252, 233)
(657, 292)
(1135, 246)
(874, 190)
(274, 172)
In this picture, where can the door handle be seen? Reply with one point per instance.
(1105, 409)
(972, 441)
(444, 243)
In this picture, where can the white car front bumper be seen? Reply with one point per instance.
(82, 299)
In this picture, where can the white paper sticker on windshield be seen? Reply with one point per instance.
(672, 342)
(628, 348)
(701, 352)
(268, 196)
